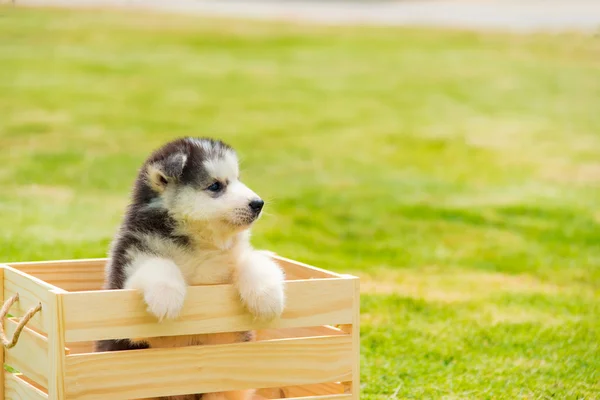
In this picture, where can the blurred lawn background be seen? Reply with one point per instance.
(457, 173)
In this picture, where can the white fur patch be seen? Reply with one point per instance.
(260, 283)
(198, 265)
(203, 144)
(223, 168)
(161, 282)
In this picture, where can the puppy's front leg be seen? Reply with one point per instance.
(161, 282)
(260, 282)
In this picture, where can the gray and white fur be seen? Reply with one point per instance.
(188, 224)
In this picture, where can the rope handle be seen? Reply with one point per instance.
(9, 344)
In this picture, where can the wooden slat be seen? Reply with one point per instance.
(268, 393)
(318, 389)
(88, 274)
(264, 334)
(70, 275)
(202, 369)
(268, 334)
(114, 314)
(19, 389)
(80, 347)
(31, 292)
(30, 355)
(30, 382)
(56, 347)
(353, 386)
(301, 270)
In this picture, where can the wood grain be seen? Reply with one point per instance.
(313, 390)
(353, 387)
(31, 292)
(115, 314)
(318, 389)
(19, 389)
(202, 369)
(56, 347)
(88, 274)
(30, 355)
(301, 270)
(265, 334)
(291, 356)
(268, 334)
(70, 275)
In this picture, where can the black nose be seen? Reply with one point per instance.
(257, 205)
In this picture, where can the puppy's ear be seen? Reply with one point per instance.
(161, 173)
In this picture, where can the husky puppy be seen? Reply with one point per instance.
(188, 224)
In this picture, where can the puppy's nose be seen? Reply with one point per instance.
(257, 205)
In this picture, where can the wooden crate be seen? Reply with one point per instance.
(310, 353)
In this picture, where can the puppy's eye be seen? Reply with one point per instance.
(215, 187)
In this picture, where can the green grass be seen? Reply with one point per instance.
(457, 173)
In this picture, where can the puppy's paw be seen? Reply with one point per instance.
(165, 300)
(266, 302)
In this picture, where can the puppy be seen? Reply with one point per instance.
(188, 224)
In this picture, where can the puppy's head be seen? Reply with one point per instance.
(197, 179)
